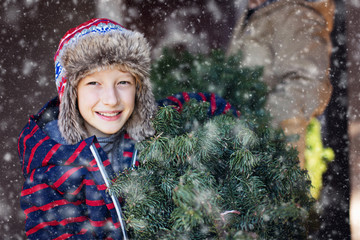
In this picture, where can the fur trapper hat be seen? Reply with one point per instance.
(92, 46)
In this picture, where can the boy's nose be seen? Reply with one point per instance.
(110, 96)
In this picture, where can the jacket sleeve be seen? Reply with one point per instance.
(217, 106)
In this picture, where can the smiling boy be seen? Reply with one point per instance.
(105, 104)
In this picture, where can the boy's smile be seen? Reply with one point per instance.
(106, 100)
(109, 116)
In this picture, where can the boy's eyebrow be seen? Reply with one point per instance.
(127, 77)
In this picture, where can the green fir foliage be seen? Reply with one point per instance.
(182, 71)
(214, 178)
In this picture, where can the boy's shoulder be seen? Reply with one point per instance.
(47, 120)
(52, 130)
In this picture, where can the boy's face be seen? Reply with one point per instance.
(106, 100)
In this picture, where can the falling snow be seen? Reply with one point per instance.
(31, 29)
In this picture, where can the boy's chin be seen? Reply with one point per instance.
(107, 133)
(101, 132)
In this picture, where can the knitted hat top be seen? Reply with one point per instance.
(92, 46)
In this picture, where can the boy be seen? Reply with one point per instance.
(80, 139)
(102, 77)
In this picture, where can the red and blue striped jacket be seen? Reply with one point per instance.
(64, 195)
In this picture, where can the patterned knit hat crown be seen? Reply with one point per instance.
(100, 26)
(96, 45)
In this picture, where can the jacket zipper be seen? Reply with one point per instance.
(107, 183)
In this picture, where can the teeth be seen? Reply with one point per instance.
(109, 114)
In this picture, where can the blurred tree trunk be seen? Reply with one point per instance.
(334, 202)
(30, 33)
(353, 29)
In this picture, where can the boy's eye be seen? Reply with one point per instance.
(92, 83)
(123, 82)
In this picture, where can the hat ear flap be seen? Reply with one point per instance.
(70, 122)
(139, 125)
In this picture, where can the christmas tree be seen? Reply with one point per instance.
(214, 178)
